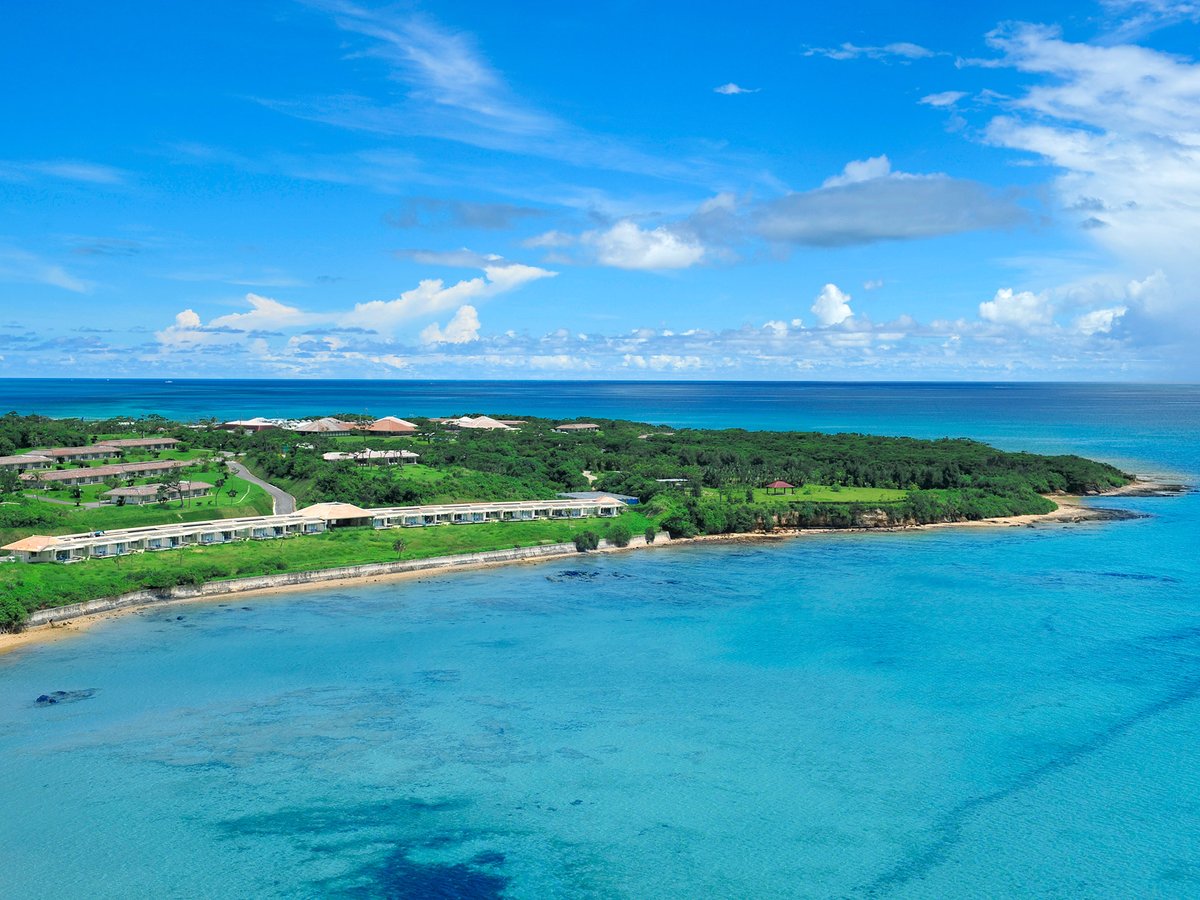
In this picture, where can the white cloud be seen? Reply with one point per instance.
(943, 99)
(730, 89)
(1121, 125)
(64, 169)
(872, 284)
(21, 266)
(832, 306)
(433, 296)
(266, 315)
(627, 246)
(461, 329)
(901, 50)
(550, 239)
(1099, 321)
(860, 170)
(1024, 310)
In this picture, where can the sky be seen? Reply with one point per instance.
(862, 191)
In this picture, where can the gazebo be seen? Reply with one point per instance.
(780, 487)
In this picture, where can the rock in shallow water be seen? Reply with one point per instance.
(56, 697)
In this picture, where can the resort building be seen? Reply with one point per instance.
(154, 443)
(390, 425)
(486, 423)
(576, 427)
(138, 494)
(375, 457)
(79, 454)
(326, 425)
(605, 506)
(310, 520)
(24, 461)
(102, 544)
(249, 426)
(596, 495)
(97, 474)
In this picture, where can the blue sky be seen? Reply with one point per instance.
(547, 190)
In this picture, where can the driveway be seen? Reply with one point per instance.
(283, 501)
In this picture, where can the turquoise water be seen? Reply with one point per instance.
(956, 712)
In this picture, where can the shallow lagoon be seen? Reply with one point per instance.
(946, 713)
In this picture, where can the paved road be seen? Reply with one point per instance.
(284, 502)
(44, 499)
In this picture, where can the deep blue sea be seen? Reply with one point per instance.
(951, 713)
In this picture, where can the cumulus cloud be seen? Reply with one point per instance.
(1099, 321)
(1120, 124)
(860, 170)
(730, 89)
(461, 329)
(1023, 309)
(266, 315)
(627, 246)
(832, 306)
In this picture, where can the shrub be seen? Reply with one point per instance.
(586, 540)
(12, 614)
(650, 534)
(620, 535)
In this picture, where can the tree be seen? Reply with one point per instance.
(10, 482)
(77, 494)
(399, 546)
(587, 540)
(620, 535)
(172, 483)
(650, 534)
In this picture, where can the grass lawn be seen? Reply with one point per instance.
(820, 493)
(38, 586)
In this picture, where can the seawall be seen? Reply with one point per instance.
(294, 579)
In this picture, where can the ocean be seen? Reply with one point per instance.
(954, 712)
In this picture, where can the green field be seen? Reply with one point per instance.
(40, 586)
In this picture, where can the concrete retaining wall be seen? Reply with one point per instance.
(257, 583)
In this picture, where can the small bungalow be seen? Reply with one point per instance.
(140, 494)
(390, 425)
(576, 427)
(781, 487)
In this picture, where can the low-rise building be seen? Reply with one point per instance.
(249, 426)
(576, 427)
(138, 494)
(390, 425)
(375, 457)
(150, 443)
(98, 474)
(326, 425)
(486, 423)
(79, 454)
(310, 520)
(24, 461)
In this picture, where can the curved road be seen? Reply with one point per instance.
(284, 502)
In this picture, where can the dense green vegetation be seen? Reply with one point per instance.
(689, 481)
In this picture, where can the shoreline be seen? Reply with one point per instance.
(1070, 510)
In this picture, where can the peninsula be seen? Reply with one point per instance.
(93, 509)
